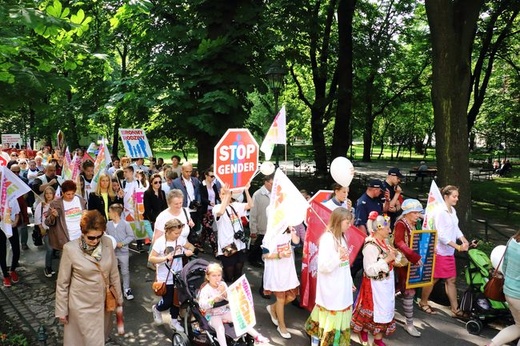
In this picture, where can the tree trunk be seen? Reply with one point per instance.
(205, 148)
(342, 131)
(452, 27)
(369, 119)
(318, 140)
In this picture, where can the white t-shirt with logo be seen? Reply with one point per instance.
(160, 246)
(73, 212)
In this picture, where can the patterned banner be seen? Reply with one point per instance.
(11, 187)
(66, 171)
(103, 159)
(434, 204)
(276, 134)
(241, 304)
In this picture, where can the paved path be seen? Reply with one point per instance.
(31, 302)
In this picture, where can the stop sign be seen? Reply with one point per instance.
(236, 158)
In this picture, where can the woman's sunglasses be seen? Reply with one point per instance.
(91, 237)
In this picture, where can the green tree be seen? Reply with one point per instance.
(452, 27)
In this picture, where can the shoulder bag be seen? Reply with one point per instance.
(111, 294)
(494, 288)
(159, 287)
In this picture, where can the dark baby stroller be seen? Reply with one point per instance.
(195, 325)
(481, 309)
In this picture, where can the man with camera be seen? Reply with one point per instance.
(190, 187)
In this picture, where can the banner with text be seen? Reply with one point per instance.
(241, 304)
(422, 242)
(135, 143)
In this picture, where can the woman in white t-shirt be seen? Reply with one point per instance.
(280, 276)
(174, 198)
(231, 245)
(165, 247)
(65, 215)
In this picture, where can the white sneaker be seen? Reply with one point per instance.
(176, 325)
(157, 315)
(412, 331)
(128, 294)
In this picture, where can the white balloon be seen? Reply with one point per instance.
(342, 170)
(496, 256)
(267, 168)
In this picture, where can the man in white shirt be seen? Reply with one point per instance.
(190, 187)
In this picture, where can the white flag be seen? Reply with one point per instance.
(434, 204)
(276, 135)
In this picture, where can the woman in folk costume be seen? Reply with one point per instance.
(403, 229)
(374, 309)
(329, 322)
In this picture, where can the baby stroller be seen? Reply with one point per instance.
(480, 308)
(196, 326)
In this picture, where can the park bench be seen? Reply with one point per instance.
(430, 173)
(483, 174)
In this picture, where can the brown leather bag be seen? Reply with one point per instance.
(159, 288)
(110, 300)
(494, 288)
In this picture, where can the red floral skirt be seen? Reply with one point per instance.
(363, 314)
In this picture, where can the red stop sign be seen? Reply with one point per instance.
(236, 158)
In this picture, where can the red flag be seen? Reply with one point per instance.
(317, 220)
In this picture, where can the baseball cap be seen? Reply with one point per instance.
(395, 172)
(376, 183)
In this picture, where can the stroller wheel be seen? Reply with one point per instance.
(180, 339)
(474, 326)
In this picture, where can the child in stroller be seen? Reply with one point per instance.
(481, 309)
(204, 280)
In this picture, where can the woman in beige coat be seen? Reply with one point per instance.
(80, 288)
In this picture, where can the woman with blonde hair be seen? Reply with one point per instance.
(41, 211)
(165, 248)
(375, 305)
(104, 196)
(212, 299)
(174, 199)
(329, 322)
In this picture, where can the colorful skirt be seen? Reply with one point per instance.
(445, 267)
(331, 327)
(363, 314)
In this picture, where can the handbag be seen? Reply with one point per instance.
(111, 293)
(159, 287)
(110, 300)
(494, 288)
